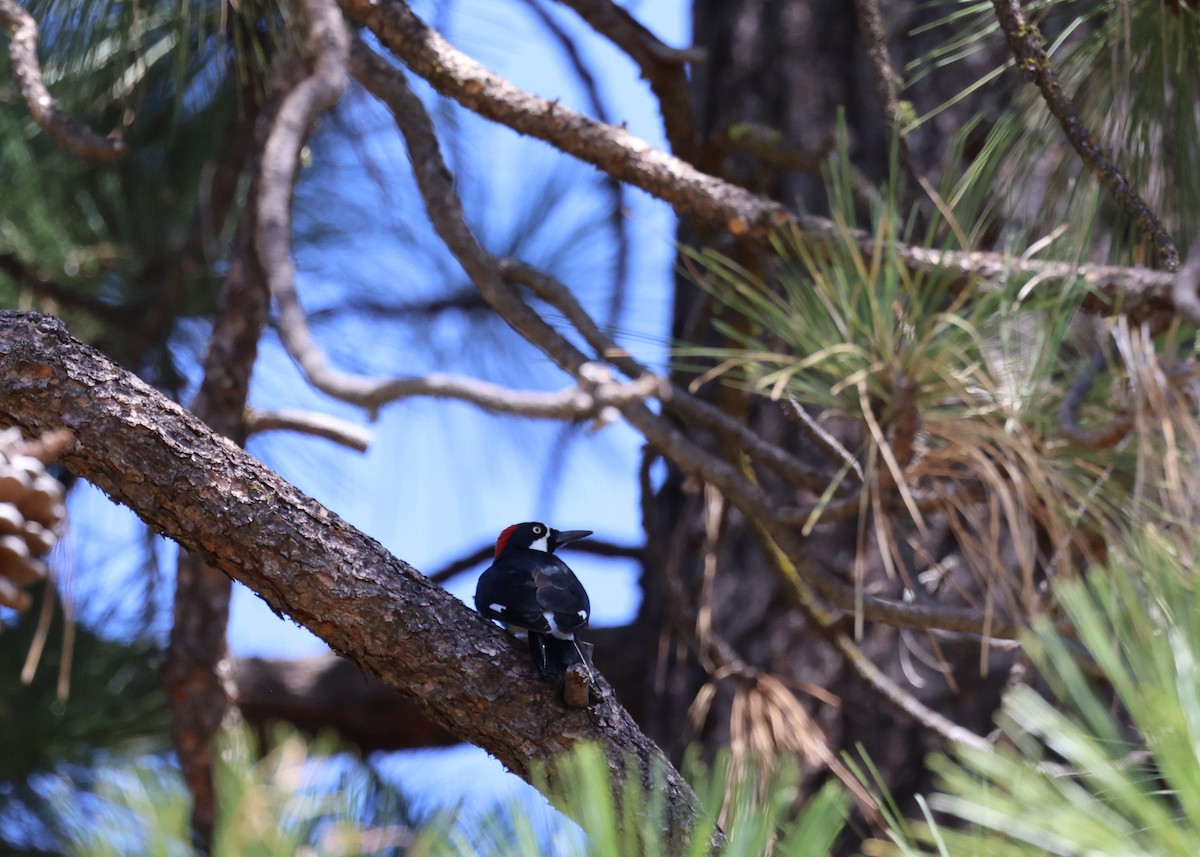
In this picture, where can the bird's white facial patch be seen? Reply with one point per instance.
(583, 615)
(542, 544)
(499, 608)
(554, 630)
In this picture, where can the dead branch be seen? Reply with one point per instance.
(328, 43)
(71, 135)
(611, 149)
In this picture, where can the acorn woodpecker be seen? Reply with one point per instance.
(529, 588)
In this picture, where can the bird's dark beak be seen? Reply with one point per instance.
(561, 538)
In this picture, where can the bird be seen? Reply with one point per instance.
(528, 588)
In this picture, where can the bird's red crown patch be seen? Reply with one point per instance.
(503, 539)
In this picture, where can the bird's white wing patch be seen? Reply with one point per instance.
(499, 608)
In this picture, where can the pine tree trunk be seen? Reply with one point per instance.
(789, 65)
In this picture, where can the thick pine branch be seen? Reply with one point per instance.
(212, 498)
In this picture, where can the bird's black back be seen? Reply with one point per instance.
(525, 585)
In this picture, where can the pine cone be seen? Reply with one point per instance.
(32, 511)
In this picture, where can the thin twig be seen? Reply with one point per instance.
(822, 439)
(308, 422)
(660, 65)
(873, 33)
(481, 554)
(1032, 61)
(71, 135)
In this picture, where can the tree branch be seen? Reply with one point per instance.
(303, 560)
(307, 422)
(318, 92)
(1033, 62)
(328, 42)
(709, 200)
(327, 692)
(611, 149)
(661, 66)
(71, 135)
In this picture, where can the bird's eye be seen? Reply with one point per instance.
(537, 531)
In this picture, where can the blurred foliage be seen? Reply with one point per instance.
(300, 798)
(67, 693)
(165, 77)
(296, 798)
(1131, 69)
(1110, 763)
(69, 699)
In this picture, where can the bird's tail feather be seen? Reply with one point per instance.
(553, 657)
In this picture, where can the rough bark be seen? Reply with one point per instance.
(205, 493)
